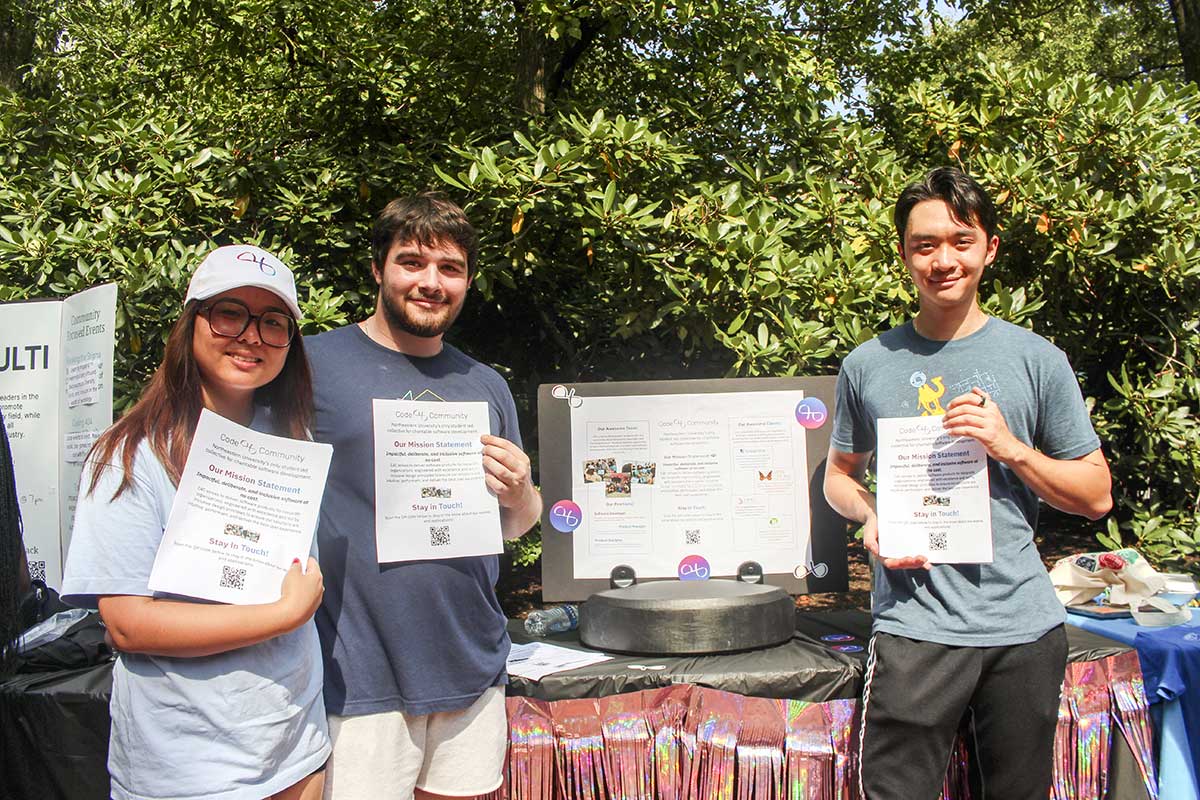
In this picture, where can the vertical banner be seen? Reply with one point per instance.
(46, 427)
(29, 378)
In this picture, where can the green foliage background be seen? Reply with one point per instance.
(665, 189)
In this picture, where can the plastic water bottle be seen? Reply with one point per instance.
(552, 620)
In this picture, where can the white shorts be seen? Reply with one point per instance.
(388, 755)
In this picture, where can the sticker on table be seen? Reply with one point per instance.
(837, 637)
(847, 648)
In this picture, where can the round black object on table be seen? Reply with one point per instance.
(687, 618)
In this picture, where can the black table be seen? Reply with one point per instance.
(54, 726)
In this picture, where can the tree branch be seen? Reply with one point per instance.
(589, 32)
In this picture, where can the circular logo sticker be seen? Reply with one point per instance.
(837, 637)
(693, 568)
(847, 648)
(818, 570)
(811, 413)
(565, 516)
(917, 379)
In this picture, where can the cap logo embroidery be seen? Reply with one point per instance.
(261, 261)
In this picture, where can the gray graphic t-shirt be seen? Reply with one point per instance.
(903, 374)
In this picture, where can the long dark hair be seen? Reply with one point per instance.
(169, 408)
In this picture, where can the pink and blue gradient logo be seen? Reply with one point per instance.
(811, 413)
(694, 568)
(565, 516)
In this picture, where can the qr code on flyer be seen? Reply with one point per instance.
(233, 578)
(691, 536)
(439, 535)
(937, 541)
(37, 571)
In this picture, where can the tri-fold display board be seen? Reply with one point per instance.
(687, 480)
(56, 391)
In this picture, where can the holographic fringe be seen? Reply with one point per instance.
(808, 752)
(666, 710)
(760, 751)
(691, 743)
(841, 716)
(1090, 705)
(580, 749)
(530, 772)
(628, 747)
(957, 785)
(1132, 713)
(716, 717)
(1062, 786)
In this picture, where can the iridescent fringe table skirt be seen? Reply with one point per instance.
(691, 743)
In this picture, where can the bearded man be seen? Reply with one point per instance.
(414, 651)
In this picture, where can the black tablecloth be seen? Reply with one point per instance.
(54, 734)
(796, 669)
(806, 667)
(54, 726)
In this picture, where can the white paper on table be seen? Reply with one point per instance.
(932, 493)
(431, 499)
(536, 660)
(247, 505)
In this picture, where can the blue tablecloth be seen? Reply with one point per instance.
(1170, 660)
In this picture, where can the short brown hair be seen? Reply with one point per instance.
(428, 218)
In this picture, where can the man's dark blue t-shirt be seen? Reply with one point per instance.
(414, 636)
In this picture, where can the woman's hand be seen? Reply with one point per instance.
(301, 593)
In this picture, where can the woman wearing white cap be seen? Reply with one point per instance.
(209, 700)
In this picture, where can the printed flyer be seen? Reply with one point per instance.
(431, 500)
(247, 506)
(688, 485)
(56, 381)
(932, 494)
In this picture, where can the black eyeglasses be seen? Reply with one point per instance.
(231, 318)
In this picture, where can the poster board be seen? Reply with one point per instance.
(56, 386)
(615, 458)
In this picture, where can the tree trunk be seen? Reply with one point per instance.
(1187, 31)
(17, 22)
(531, 67)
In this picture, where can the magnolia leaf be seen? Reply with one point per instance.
(610, 196)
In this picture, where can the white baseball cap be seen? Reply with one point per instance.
(237, 265)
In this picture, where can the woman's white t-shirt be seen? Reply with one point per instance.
(242, 724)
